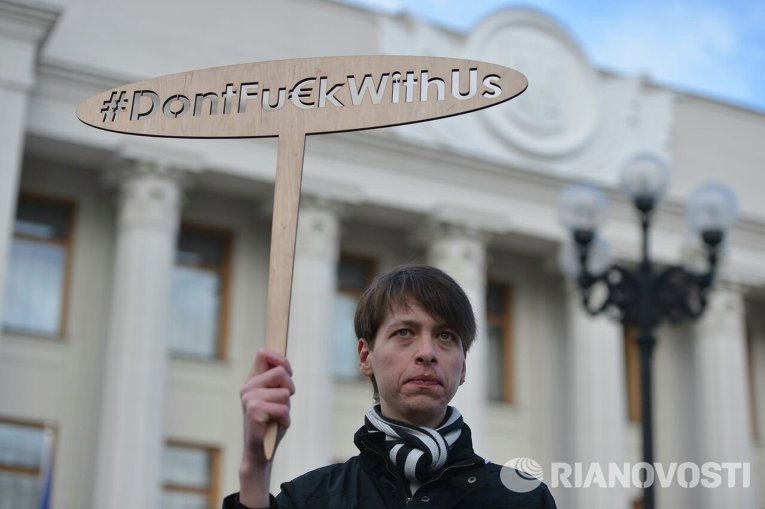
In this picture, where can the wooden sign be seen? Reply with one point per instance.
(291, 99)
(312, 95)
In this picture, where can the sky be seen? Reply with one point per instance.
(710, 48)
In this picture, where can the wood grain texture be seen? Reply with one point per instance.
(289, 170)
(328, 94)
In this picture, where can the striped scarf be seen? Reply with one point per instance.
(417, 453)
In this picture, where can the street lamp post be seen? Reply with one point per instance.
(645, 295)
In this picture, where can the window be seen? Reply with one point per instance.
(37, 275)
(190, 476)
(353, 275)
(25, 464)
(632, 371)
(500, 341)
(199, 295)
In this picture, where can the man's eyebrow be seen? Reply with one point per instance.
(408, 322)
(405, 321)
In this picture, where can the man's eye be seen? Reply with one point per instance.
(446, 336)
(402, 333)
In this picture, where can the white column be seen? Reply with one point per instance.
(597, 401)
(461, 252)
(308, 443)
(722, 404)
(22, 28)
(133, 401)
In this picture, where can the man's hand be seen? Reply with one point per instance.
(265, 397)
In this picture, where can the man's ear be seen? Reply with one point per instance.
(464, 370)
(364, 351)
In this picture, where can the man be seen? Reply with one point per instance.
(415, 325)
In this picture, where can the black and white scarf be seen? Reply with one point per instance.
(416, 452)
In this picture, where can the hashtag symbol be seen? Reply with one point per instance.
(114, 105)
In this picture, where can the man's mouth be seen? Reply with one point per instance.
(425, 381)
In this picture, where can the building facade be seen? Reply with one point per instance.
(135, 270)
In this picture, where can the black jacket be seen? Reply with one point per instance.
(368, 481)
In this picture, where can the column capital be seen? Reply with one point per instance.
(448, 221)
(725, 307)
(330, 190)
(437, 235)
(133, 158)
(316, 192)
(319, 228)
(119, 173)
(151, 181)
(311, 202)
(27, 26)
(433, 230)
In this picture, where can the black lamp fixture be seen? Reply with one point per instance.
(645, 295)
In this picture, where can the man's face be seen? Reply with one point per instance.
(418, 364)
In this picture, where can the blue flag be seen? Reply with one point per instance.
(46, 471)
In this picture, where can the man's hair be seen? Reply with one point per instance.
(429, 287)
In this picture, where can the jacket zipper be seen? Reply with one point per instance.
(395, 474)
(459, 465)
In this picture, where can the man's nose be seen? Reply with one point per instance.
(426, 351)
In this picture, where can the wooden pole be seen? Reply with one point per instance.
(289, 171)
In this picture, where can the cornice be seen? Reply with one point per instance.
(70, 81)
(29, 22)
(24, 28)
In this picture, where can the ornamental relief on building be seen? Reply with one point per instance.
(572, 119)
(560, 111)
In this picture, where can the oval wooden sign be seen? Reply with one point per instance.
(310, 95)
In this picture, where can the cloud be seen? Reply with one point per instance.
(701, 47)
(707, 47)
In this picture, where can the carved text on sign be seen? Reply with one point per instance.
(310, 95)
(307, 93)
